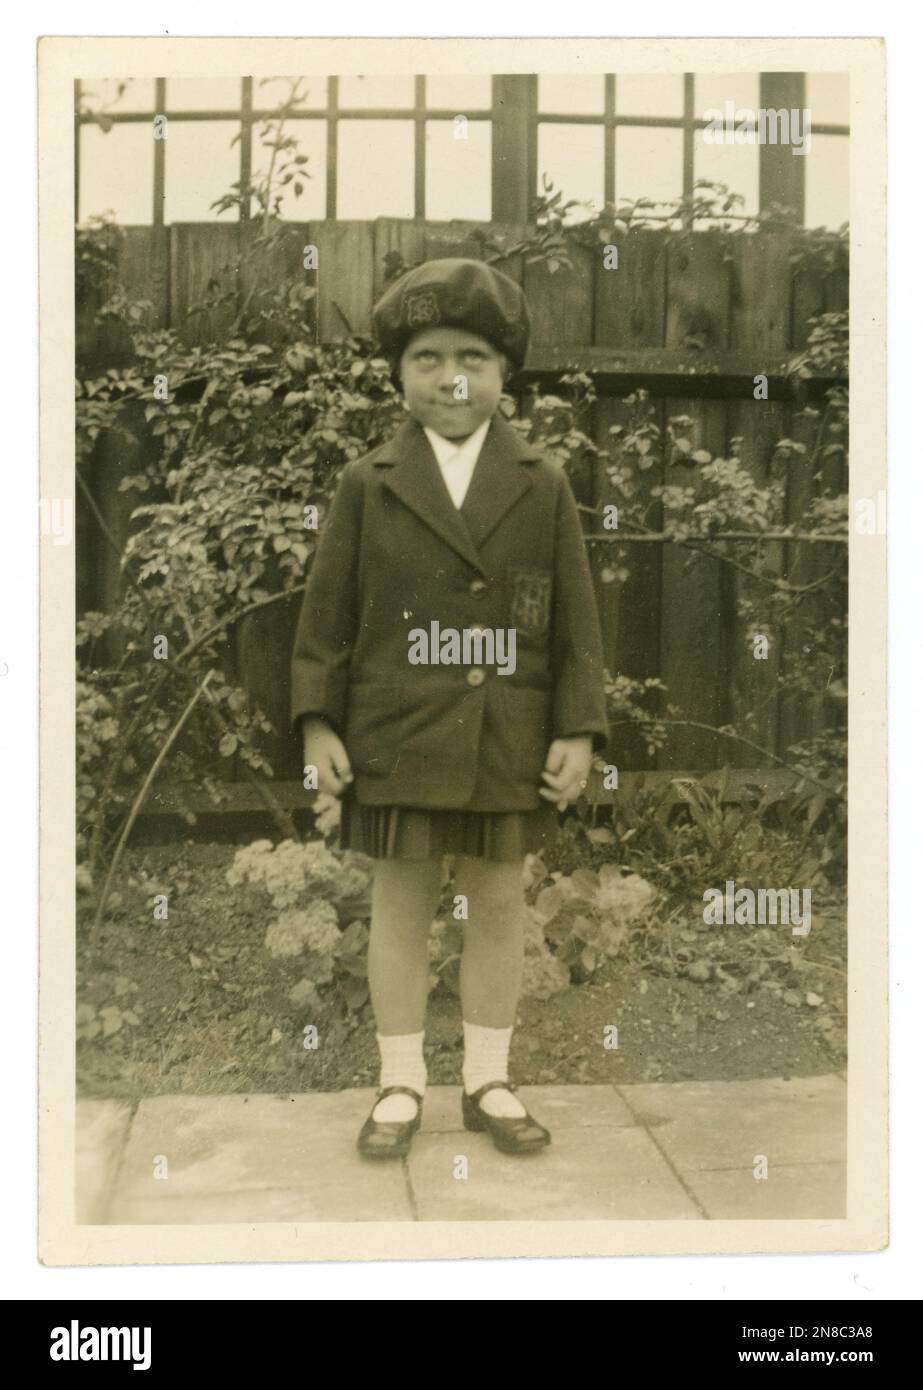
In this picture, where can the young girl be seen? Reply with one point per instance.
(448, 679)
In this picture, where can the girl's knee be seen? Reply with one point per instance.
(495, 892)
(406, 888)
(495, 876)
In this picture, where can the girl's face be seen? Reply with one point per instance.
(452, 380)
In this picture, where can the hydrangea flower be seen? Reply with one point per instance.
(314, 928)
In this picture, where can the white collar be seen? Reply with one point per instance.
(447, 450)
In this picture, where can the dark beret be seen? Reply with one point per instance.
(454, 293)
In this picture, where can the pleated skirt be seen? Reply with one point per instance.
(409, 832)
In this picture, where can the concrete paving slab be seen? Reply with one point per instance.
(801, 1192)
(101, 1126)
(607, 1173)
(724, 1124)
(663, 1151)
(224, 1147)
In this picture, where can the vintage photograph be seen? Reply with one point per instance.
(460, 537)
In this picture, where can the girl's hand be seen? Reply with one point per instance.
(566, 770)
(324, 750)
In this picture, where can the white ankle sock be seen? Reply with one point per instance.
(402, 1064)
(487, 1053)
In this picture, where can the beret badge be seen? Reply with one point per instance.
(421, 309)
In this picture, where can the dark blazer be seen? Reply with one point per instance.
(395, 554)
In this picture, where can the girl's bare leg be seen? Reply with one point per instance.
(405, 896)
(491, 973)
(491, 966)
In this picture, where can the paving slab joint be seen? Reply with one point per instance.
(117, 1165)
(648, 1130)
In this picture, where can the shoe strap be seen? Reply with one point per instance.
(399, 1090)
(490, 1086)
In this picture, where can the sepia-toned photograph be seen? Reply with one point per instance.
(462, 555)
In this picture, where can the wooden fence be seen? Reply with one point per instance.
(691, 319)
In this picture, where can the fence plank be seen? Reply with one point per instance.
(695, 614)
(799, 717)
(510, 234)
(695, 608)
(629, 608)
(144, 269)
(754, 683)
(456, 238)
(807, 300)
(267, 269)
(263, 652)
(836, 291)
(140, 266)
(397, 234)
(345, 277)
(203, 280)
(90, 297)
(630, 301)
(606, 555)
(760, 326)
(804, 715)
(144, 272)
(698, 294)
(561, 302)
(760, 273)
(630, 313)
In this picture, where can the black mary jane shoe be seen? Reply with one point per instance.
(390, 1138)
(517, 1135)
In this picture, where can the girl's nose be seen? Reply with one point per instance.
(447, 375)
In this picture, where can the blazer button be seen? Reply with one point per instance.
(477, 586)
(475, 676)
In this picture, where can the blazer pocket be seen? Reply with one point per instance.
(372, 727)
(527, 723)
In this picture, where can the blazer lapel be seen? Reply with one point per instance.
(498, 480)
(412, 474)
